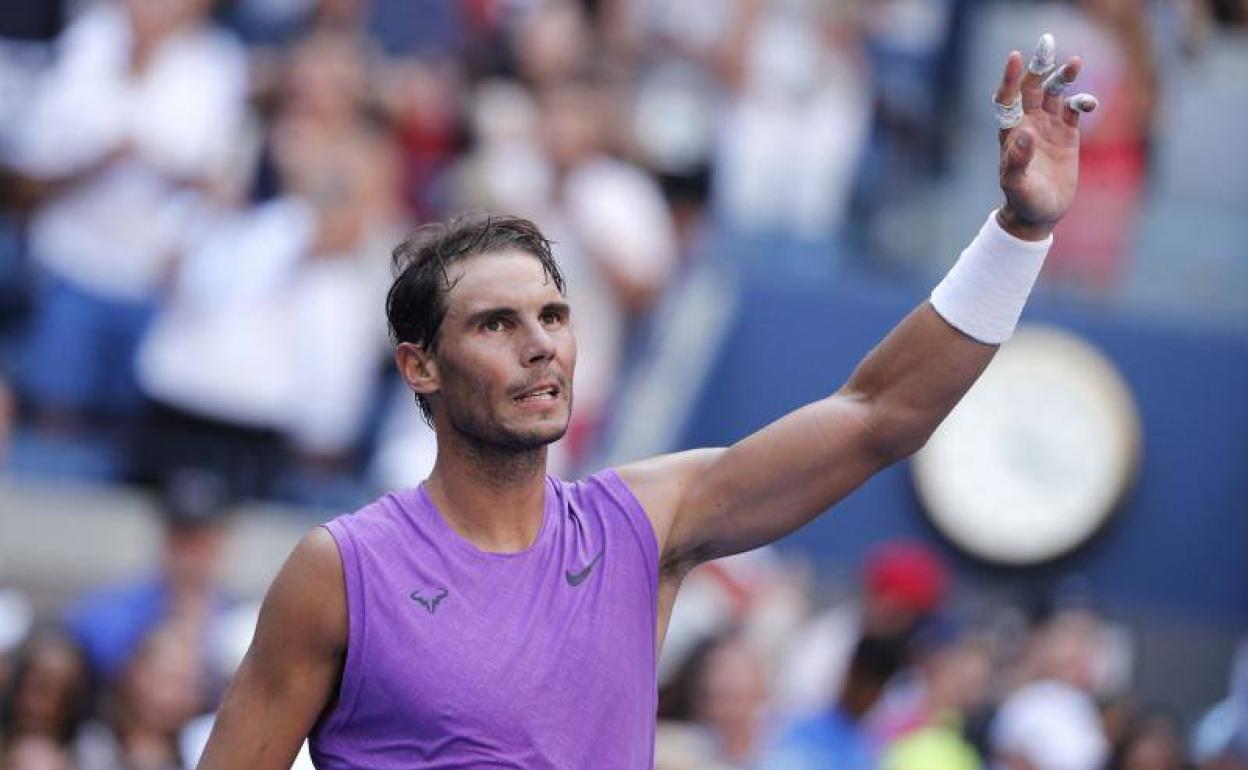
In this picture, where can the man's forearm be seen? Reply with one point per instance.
(927, 363)
(913, 378)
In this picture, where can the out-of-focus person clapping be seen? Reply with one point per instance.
(137, 116)
(264, 355)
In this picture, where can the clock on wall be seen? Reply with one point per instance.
(1037, 456)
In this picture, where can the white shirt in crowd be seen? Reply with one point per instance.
(114, 232)
(258, 333)
(1051, 725)
(790, 144)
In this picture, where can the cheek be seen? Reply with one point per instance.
(472, 380)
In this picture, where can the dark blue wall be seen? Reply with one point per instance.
(1179, 546)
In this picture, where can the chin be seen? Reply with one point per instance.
(537, 437)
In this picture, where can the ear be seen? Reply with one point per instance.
(419, 368)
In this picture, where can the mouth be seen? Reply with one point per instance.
(540, 394)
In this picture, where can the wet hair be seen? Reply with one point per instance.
(416, 303)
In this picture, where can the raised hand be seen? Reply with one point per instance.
(1039, 139)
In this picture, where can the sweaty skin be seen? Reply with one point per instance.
(508, 331)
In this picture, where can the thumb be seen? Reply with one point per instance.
(1017, 155)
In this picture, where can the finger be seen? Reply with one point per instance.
(1055, 85)
(1038, 68)
(1007, 104)
(1016, 156)
(1077, 105)
(1011, 79)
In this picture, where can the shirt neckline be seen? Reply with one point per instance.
(425, 503)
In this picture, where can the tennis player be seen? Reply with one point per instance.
(497, 617)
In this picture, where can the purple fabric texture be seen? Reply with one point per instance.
(459, 658)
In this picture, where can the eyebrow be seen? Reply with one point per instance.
(562, 308)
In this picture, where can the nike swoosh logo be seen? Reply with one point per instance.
(576, 578)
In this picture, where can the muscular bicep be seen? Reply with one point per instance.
(291, 671)
(720, 502)
(714, 502)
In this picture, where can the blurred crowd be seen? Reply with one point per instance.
(907, 672)
(761, 671)
(198, 198)
(197, 204)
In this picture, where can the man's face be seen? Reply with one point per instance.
(505, 354)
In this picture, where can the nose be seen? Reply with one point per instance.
(538, 347)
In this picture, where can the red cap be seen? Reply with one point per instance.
(908, 572)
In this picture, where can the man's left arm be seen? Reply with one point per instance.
(714, 502)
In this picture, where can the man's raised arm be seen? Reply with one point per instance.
(292, 669)
(711, 503)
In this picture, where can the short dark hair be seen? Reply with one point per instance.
(416, 303)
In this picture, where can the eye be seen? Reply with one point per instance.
(552, 317)
(494, 325)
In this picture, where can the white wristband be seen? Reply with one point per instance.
(983, 295)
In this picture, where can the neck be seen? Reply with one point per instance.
(495, 498)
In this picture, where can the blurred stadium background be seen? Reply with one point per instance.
(197, 202)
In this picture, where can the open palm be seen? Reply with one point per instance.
(1040, 156)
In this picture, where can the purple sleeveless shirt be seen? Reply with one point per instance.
(459, 658)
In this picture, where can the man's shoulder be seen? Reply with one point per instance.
(384, 506)
(381, 520)
(605, 486)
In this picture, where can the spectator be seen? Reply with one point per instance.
(46, 701)
(903, 583)
(711, 713)
(1152, 742)
(111, 622)
(421, 99)
(158, 692)
(1049, 725)
(683, 62)
(552, 43)
(924, 730)
(34, 752)
(1220, 740)
(614, 237)
(1052, 721)
(1215, 745)
(838, 736)
(144, 102)
(914, 48)
(790, 144)
(1091, 247)
(269, 342)
(506, 169)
